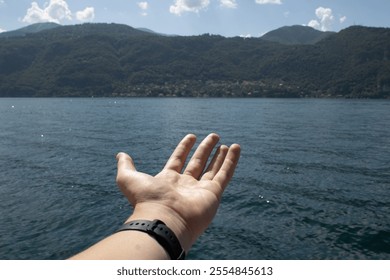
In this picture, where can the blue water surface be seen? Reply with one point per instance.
(313, 181)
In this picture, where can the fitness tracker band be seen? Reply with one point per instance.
(161, 233)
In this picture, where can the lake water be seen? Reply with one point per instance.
(313, 181)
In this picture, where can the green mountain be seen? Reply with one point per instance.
(118, 60)
(296, 34)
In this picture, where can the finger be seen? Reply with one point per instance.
(179, 156)
(216, 163)
(225, 173)
(125, 164)
(198, 161)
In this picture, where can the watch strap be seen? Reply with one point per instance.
(161, 233)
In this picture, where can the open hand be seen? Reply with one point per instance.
(186, 200)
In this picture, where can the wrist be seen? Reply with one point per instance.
(150, 211)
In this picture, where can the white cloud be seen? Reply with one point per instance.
(231, 4)
(55, 11)
(58, 9)
(315, 24)
(325, 19)
(181, 6)
(36, 14)
(143, 6)
(246, 36)
(2, 30)
(263, 2)
(343, 19)
(88, 14)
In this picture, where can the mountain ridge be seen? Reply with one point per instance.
(30, 29)
(284, 35)
(296, 34)
(288, 35)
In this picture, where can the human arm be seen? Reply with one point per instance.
(185, 200)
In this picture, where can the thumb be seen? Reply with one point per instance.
(125, 168)
(125, 162)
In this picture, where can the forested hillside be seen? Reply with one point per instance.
(117, 60)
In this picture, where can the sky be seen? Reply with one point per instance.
(229, 18)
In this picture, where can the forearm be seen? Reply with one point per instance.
(133, 244)
(125, 245)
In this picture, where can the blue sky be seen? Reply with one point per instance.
(192, 17)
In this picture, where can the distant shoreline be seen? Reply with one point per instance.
(190, 97)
